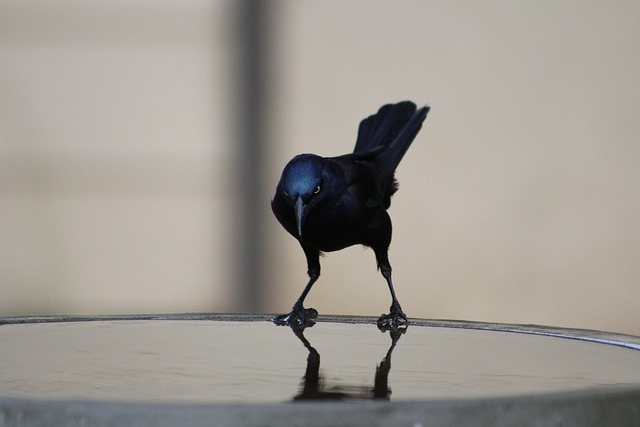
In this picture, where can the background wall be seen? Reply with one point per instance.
(121, 180)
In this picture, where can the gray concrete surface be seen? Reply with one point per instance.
(609, 408)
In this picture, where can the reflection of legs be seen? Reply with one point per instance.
(311, 388)
(381, 383)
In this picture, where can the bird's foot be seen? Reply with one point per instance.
(395, 320)
(298, 318)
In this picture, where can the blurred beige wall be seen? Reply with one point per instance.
(518, 202)
(114, 156)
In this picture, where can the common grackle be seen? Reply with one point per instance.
(330, 203)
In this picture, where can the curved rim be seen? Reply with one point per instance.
(601, 337)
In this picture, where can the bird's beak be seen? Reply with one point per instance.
(301, 213)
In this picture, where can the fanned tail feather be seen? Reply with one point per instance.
(381, 129)
(390, 158)
(390, 132)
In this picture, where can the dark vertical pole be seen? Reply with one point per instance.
(250, 122)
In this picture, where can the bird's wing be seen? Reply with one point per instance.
(362, 177)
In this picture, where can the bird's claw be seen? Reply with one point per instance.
(298, 318)
(396, 320)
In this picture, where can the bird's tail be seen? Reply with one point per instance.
(391, 131)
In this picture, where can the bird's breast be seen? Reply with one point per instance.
(334, 227)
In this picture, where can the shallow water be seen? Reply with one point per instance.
(230, 361)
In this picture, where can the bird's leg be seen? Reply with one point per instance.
(301, 317)
(396, 317)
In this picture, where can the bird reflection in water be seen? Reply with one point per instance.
(314, 387)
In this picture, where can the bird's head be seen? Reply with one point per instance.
(301, 185)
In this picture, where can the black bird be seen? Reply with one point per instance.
(330, 203)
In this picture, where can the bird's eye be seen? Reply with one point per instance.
(317, 190)
(286, 194)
